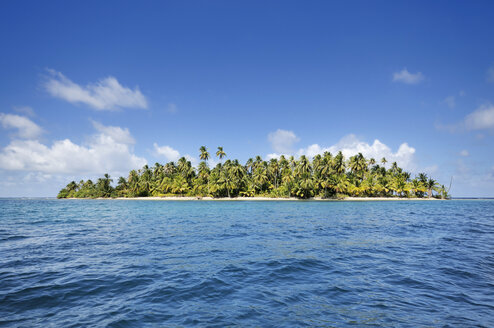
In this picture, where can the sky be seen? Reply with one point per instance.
(94, 87)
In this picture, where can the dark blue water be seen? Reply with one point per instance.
(90, 263)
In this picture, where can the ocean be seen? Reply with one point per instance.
(137, 263)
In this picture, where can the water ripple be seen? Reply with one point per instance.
(216, 264)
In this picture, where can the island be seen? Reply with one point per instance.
(327, 176)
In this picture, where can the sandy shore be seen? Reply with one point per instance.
(185, 198)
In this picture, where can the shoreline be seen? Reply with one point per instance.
(189, 198)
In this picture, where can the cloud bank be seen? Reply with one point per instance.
(108, 150)
(351, 145)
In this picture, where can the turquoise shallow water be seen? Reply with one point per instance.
(92, 263)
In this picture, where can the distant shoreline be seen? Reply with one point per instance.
(188, 198)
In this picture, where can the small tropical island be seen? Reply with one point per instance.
(325, 177)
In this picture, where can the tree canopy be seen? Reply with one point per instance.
(325, 176)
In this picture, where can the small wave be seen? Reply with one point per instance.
(12, 238)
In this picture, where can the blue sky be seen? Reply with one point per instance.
(89, 87)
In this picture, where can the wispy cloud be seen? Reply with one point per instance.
(480, 119)
(106, 94)
(404, 76)
(282, 141)
(26, 110)
(26, 129)
(450, 101)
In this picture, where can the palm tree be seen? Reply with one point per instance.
(203, 170)
(303, 166)
(220, 153)
(145, 181)
(122, 182)
(180, 185)
(325, 175)
(134, 182)
(399, 185)
(204, 155)
(339, 163)
(170, 168)
(259, 177)
(273, 171)
(166, 185)
(431, 185)
(423, 178)
(249, 165)
(157, 170)
(104, 187)
(394, 167)
(415, 187)
(305, 187)
(383, 161)
(443, 193)
(342, 184)
(72, 186)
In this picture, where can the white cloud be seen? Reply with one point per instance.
(26, 128)
(464, 153)
(405, 76)
(106, 94)
(351, 145)
(172, 155)
(110, 151)
(273, 155)
(482, 118)
(118, 134)
(282, 141)
(450, 101)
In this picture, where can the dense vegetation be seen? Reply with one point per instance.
(327, 176)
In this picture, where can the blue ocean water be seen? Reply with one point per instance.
(124, 263)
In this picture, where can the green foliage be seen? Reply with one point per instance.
(326, 176)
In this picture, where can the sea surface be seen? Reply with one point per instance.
(128, 263)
